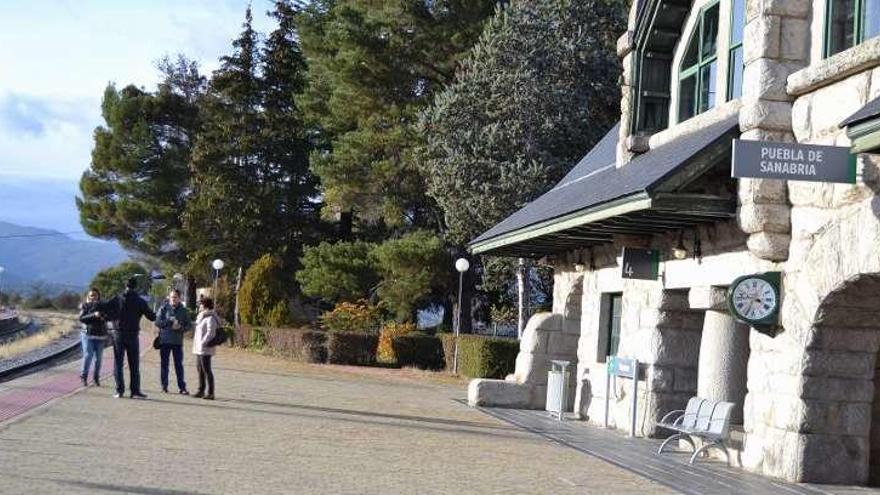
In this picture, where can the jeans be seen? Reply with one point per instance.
(175, 351)
(203, 363)
(92, 349)
(127, 344)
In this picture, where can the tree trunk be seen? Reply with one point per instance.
(190, 298)
(346, 222)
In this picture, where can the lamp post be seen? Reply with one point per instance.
(462, 266)
(217, 265)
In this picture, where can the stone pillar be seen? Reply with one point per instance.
(724, 351)
(776, 44)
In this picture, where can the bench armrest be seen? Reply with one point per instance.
(666, 417)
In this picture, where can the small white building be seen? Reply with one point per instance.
(696, 77)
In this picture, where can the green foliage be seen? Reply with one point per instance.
(372, 67)
(502, 314)
(538, 90)
(112, 280)
(481, 357)
(419, 351)
(263, 296)
(385, 351)
(357, 317)
(410, 267)
(138, 181)
(351, 348)
(337, 272)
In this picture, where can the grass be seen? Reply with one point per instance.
(53, 326)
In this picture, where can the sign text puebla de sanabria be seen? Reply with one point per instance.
(791, 161)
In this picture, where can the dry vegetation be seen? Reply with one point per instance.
(53, 325)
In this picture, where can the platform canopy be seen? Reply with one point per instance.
(863, 127)
(677, 185)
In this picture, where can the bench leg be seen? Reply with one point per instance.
(677, 436)
(716, 443)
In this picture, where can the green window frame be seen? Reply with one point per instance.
(697, 79)
(849, 23)
(735, 65)
(612, 325)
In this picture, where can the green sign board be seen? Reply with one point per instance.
(641, 264)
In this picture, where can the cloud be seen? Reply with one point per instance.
(32, 116)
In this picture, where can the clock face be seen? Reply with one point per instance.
(754, 299)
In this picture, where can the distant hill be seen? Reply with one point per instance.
(42, 256)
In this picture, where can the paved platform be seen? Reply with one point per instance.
(283, 427)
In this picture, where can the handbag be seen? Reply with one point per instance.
(156, 344)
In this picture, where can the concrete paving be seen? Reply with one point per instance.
(284, 427)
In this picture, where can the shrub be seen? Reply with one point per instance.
(352, 317)
(337, 272)
(303, 344)
(385, 352)
(263, 294)
(481, 357)
(419, 350)
(351, 348)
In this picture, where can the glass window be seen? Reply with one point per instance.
(735, 52)
(613, 324)
(850, 22)
(697, 76)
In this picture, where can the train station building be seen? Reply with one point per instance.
(766, 285)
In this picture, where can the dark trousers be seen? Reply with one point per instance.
(203, 363)
(176, 351)
(127, 344)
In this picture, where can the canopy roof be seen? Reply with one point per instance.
(597, 199)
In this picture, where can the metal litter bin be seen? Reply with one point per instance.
(557, 388)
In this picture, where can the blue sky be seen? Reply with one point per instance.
(56, 58)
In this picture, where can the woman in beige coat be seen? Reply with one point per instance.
(207, 323)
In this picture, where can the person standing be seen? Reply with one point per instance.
(207, 323)
(173, 320)
(130, 308)
(94, 336)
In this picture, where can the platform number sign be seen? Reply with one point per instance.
(642, 264)
(754, 299)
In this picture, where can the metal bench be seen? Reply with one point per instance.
(705, 419)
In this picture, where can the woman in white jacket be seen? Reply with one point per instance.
(207, 323)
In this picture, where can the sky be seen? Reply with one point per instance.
(56, 59)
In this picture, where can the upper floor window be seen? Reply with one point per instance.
(735, 59)
(850, 22)
(699, 67)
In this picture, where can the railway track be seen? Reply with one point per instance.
(58, 351)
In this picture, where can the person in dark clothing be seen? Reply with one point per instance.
(129, 308)
(94, 336)
(173, 320)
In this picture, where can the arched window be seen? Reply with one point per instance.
(850, 22)
(735, 59)
(699, 66)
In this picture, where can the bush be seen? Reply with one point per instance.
(419, 350)
(302, 344)
(351, 348)
(360, 317)
(481, 357)
(385, 352)
(263, 294)
(337, 272)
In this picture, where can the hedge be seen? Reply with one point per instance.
(481, 357)
(299, 343)
(419, 350)
(351, 348)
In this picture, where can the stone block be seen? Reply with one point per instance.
(800, 118)
(660, 378)
(545, 321)
(874, 92)
(836, 459)
(787, 8)
(815, 194)
(807, 221)
(564, 344)
(837, 389)
(498, 393)
(832, 104)
(758, 217)
(685, 380)
(708, 297)
(538, 397)
(860, 58)
(765, 114)
(762, 191)
(625, 44)
(676, 348)
(534, 341)
(532, 368)
(673, 299)
(795, 40)
(837, 418)
(571, 326)
(767, 78)
(769, 246)
(768, 135)
(761, 38)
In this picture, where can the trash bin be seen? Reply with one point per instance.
(557, 388)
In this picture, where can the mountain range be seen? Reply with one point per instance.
(49, 258)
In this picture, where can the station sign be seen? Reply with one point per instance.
(792, 161)
(641, 264)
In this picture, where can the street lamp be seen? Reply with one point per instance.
(462, 266)
(217, 265)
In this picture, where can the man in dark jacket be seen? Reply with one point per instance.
(129, 308)
(173, 320)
